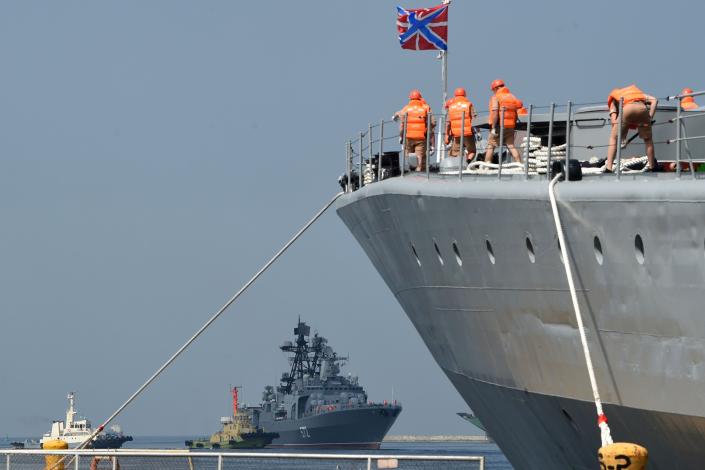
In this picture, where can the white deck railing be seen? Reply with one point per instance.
(31, 459)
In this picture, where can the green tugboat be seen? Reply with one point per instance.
(238, 433)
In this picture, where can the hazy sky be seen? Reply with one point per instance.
(154, 154)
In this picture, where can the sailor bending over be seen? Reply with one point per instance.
(637, 115)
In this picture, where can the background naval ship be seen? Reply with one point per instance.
(315, 406)
(75, 431)
(474, 261)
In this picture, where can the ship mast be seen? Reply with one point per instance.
(234, 391)
(301, 356)
(71, 412)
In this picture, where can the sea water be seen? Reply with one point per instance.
(494, 459)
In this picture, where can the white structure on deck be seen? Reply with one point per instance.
(72, 431)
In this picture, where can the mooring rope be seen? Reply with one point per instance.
(605, 434)
(209, 322)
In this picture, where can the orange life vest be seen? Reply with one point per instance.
(689, 103)
(511, 104)
(630, 94)
(456, 107)
(417, 113)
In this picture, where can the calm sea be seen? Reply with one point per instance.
(494, 458)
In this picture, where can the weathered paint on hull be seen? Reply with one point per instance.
(497, 315)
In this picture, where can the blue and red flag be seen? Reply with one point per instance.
(423, 28)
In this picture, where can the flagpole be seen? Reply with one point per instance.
(440, 142)
(444, 75)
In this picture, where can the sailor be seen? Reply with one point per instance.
(637, 115)
(456, 107)
(502, 100)
(416, 112)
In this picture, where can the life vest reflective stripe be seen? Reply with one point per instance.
(511, 104)
(456, 107)
(417, 113)
(631, 94)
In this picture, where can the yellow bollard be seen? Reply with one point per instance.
(623, 456)
(54, 462)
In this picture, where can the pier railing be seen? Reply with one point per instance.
(365, 153)
(197, 460)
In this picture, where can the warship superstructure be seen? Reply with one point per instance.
(316, 406)
(473, 259)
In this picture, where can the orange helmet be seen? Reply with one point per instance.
(415, 95)
(686, 91)
(460, 92)
(496, 84)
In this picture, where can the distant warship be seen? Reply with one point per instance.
(314, 406)
(238, 432)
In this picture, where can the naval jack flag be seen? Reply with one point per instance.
(423, 28)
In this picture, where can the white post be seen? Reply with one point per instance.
(440, 144)
(369, 463)
(76, 461)
(220, 461)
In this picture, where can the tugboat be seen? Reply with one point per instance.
(315, 406)
(238, 432)
(75, 431)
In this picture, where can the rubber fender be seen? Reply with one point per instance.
(623, 456)
(575, 172)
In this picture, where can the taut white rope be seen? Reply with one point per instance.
(211, 320)
(605, 434)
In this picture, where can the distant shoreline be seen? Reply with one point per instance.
(439, 438)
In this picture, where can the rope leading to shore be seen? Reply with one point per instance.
(605, 434)
(210, 321)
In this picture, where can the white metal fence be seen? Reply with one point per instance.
(190, 460)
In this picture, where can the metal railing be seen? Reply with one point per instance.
(380, 139)
(147, 459)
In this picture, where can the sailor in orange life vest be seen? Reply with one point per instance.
(417, 111)
(502, 99)
(454, 127)
(636, 116)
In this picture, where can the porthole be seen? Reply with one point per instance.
(438, 252)
(458, 258)
(597, 245)
(416, 255)
(490, 251)
(530, 250)
(639, 249)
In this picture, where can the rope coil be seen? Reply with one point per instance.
(538, 162)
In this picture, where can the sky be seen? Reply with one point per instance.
(153, 155)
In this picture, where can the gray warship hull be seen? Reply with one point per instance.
(476, 266)
(361, 428)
